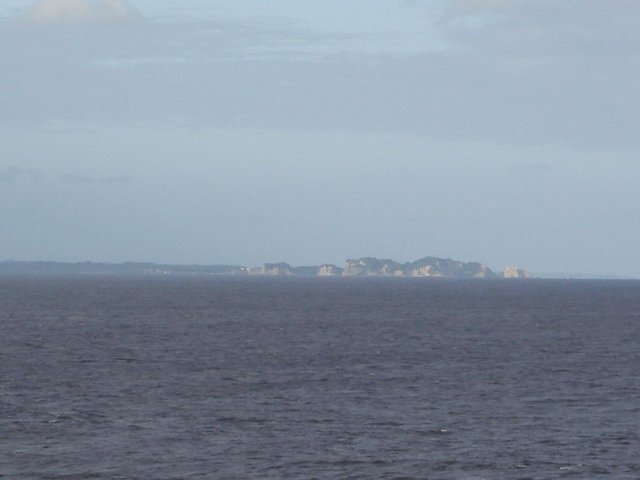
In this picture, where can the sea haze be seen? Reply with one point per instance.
(274, 378)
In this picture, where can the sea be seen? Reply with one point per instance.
(318, 378)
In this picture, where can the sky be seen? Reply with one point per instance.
(245, 132)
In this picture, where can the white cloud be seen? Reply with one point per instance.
(79, 11)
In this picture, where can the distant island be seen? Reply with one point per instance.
(361, 267)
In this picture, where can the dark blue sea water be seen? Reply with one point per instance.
(325, 378)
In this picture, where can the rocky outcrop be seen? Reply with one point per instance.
(361, 267)
(283, 269)
(272, 269)
(514, 272)
(383, 267)
(370, 266)
(425, 267)
(329, 270)
(446, 267)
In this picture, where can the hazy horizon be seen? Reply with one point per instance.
(496, 131)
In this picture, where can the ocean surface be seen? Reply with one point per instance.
(319, 378)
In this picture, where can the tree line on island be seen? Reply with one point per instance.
(361, 267)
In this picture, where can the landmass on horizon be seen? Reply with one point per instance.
(361, 267)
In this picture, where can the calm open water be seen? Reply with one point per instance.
(326, 378)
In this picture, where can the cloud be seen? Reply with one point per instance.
(478, 5)
(134, 62)
(93, 180)
(12, 174)
(79, 11)
(536, 72)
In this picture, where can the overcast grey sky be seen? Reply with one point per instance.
(313, 131)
